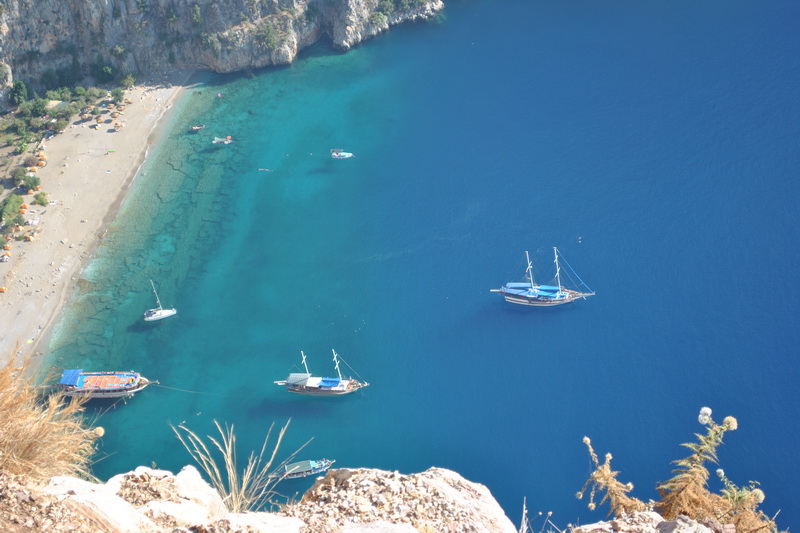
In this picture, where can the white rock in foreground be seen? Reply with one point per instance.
(344, 501)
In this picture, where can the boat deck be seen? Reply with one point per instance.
(107, 381)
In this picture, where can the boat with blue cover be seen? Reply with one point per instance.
(530, 293)
(306, 383)
(76, 382)
(304, 469)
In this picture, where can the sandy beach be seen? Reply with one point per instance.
(88, 173)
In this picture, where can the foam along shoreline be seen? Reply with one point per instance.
(88, 173)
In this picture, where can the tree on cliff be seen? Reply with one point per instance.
(18, 93)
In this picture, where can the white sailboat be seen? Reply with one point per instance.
(158, 312)
(530, 293)
(338, 153)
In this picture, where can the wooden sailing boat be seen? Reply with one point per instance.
(530, 293)
(76, 382)
(306, 383)
(158, 312)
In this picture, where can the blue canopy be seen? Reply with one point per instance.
(548, 288)
(329, 382)
(70, 377)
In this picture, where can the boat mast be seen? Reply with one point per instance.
(304, 361)
(558, 270)
(529, 270)
(158, 302)
(336, 362)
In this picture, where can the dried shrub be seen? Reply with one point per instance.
(686, 493)
(42, 436)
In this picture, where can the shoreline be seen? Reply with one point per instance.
(85, 196)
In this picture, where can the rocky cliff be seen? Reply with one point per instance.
(50, 43)
(345, 501)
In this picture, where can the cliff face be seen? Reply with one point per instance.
(344, 501)
(47, 41)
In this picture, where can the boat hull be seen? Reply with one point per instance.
(538, 301)
(96, 394)
(159, 314)
(101, 384)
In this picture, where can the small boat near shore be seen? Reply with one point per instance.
(530, 293)
(303, 469)
(220, 140)
(198, 127)
(338, 153)
(158, 313)
(76, 382)
(306, 383)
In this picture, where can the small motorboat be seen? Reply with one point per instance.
(198, 127)
(303, 469)
(220, 140)
(338, 153)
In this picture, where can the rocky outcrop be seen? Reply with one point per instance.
(435, 500)
(344, 501)
(650, 522)
(50, 43)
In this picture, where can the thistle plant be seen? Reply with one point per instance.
(686, 492)
(603, 479)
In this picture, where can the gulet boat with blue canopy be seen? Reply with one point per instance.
(528, 292)
(76, 382)
(306, 383)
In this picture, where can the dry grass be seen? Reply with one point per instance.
(40, 436)
(686, 493)
(254, 488)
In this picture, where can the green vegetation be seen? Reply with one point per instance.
(379, 19)
(18, 93)
(128, 81)
(686, 493)
(267, 35)
(42, 437)
(254, 488)
(31, 182)
(197, 16)
(40, 198)
(9, 211)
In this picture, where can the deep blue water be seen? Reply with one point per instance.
(655, 143)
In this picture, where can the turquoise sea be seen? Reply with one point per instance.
(655, 143)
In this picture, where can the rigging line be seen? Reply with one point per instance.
(190, 391)
(576, 274)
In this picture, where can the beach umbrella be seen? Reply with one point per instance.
(6, 247)
(3, 289)
(7, 254)
(24, 206)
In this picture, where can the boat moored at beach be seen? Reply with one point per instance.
(338, 153)
(76, 382)
(303, 469)
(198, 127)
(306, 383)
(158, 312)
(220, 140)
(530, 293)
